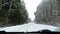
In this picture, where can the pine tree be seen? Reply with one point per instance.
(12, 12)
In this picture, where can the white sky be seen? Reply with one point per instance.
(31, 6)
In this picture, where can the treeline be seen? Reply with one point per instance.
(12, 12)
(48, 12)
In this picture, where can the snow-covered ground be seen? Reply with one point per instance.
(29, 28)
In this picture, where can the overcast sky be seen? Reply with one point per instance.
(31, 6)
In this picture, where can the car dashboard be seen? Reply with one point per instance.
(38, 32)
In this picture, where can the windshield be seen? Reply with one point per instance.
(29, 15)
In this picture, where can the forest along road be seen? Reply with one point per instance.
(30, 27)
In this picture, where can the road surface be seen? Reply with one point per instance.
(29, 27)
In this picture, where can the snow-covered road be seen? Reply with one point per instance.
(29, 28)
